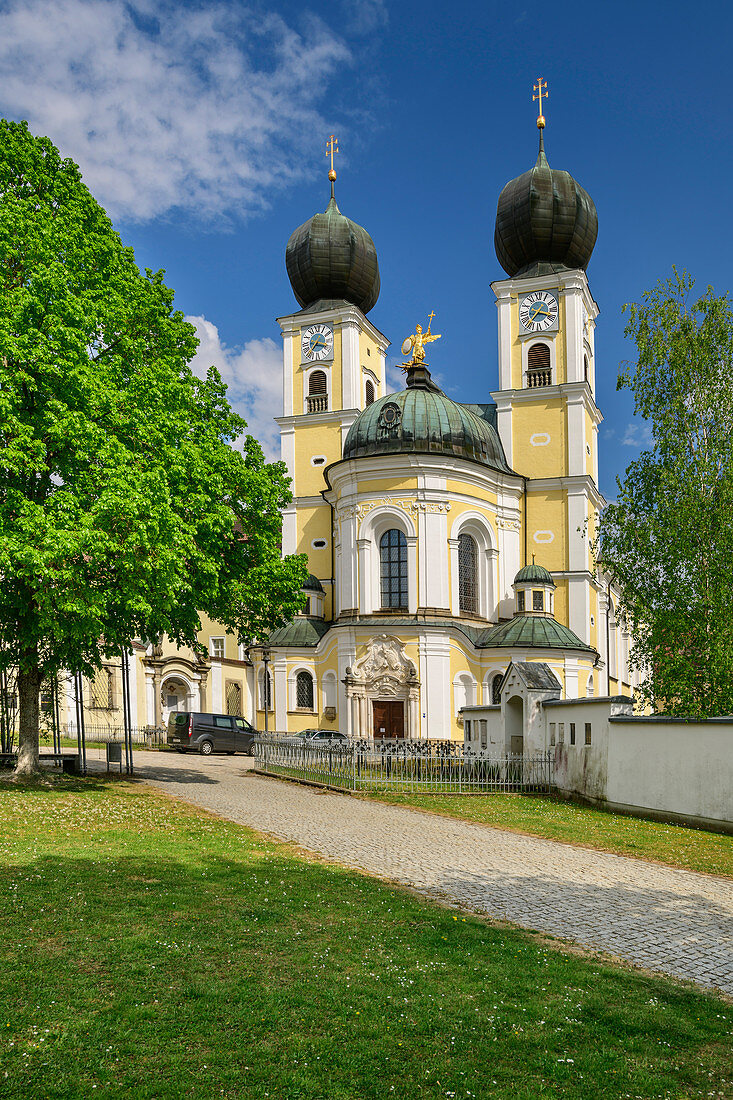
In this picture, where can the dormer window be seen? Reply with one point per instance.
(538, 602)
(520, 600)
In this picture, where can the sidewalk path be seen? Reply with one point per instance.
(665, 919)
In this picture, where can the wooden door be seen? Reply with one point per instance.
(389, 719)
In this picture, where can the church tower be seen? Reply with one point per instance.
(547, 417)
(333, 367)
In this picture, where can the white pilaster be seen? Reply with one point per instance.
(217, 687)
(413, 595)
(350, 367)
(288, 373)
(435, 686)
(367, 600)
(280, 676)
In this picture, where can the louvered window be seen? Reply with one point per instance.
(304, 691)
(538, 366)
(393, 568)
(317, 392)
(369, 390)
(467, 580)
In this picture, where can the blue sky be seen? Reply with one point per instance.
(202, 127)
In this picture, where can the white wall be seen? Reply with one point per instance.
(673, 767)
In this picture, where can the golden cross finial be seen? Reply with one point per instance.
(331, 148)
(540, 87)
(430, 320)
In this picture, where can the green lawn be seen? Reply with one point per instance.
(693, 849)
(151, 950)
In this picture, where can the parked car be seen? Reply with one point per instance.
(193, 731)
(323, 737)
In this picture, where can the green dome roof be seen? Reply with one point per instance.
(536, 573)
(331, 257)
(545, 222)
(421, 419)
(312, 584)
(531, 632)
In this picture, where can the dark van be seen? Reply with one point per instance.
(191, 731)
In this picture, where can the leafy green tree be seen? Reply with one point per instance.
(668, 539)
(124, 508)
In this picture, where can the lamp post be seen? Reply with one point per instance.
(266, 683)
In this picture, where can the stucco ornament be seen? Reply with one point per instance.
(384, 666)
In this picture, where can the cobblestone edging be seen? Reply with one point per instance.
(669, 920)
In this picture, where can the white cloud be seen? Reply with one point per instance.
(638, 434)
(253, 375)
(167, 107)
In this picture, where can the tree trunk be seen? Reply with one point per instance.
(29, 687)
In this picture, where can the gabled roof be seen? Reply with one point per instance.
(535, 675)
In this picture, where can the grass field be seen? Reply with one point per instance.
(556, 819)
(149, 950)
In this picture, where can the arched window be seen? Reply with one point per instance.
(538, 366)
(496, 689)
(369, 391)
(467, 574)
(317, 392)
(304, 691)
(393, 568)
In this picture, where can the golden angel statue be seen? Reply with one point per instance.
(416, 344)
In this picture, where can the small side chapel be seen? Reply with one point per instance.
(446, 540)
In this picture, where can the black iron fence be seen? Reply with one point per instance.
(418, 767)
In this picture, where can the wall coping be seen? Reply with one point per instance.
(589, 701)
(666, 720)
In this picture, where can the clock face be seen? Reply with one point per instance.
(317, 342)
(539, 311)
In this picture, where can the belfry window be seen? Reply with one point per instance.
(369, 393)
(538, 366)
(393, 568)
(304, 691)
(467, 574)
(317, 392)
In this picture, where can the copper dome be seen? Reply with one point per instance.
(545, 222)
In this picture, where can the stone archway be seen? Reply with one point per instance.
(384, 675)
(175, 695)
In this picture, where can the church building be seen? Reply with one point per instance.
(446, 540)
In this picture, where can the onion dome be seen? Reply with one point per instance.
(422, 420)
(545, 222)
(534, 574)
(330, 258)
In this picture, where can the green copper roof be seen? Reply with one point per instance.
(536, 573)
(421, 419)
(312, 584)
(531, 631)
(302, 632)
(545, 222)
(330, 257)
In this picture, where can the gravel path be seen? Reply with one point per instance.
(665, 919)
